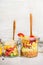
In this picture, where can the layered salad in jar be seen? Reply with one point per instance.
(29, 47)
(10, 49)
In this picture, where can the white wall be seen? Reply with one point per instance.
(19, 10)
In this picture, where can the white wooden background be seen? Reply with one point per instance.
(19, 10)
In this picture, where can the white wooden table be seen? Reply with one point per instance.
(22, 60)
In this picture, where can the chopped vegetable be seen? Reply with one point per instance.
(21, 34)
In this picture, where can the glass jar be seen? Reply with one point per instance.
(10, 49)
(1, 48)
(29, 47)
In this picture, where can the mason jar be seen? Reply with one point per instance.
(29, 47)
(10, 49)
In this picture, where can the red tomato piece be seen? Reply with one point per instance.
(21, 34)
(10, 49)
